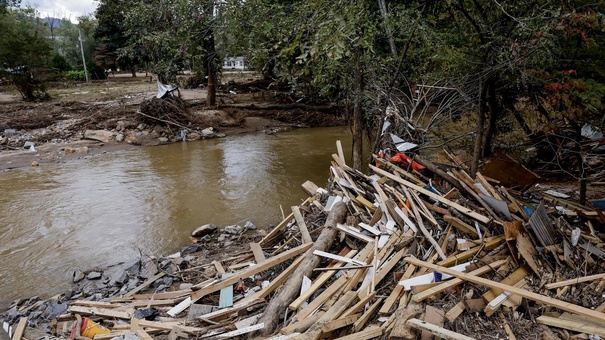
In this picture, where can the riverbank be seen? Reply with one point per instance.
(83, 120)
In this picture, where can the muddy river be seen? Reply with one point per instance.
(99, 211)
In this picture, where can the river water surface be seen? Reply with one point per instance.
(99, 211)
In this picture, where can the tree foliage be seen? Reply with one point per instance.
(24, 49)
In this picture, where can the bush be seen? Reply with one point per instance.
(59, 62)
(75, 75)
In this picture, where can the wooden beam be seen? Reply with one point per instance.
(513, 290)
(433, 316)
(455, 311)
(300, 221)
(339, 323)
(281, 225)
(359, 324)
(20, 329)
(575, 325)
(491, 243)
(368, 333)
(481, 218)
(145, 284)
(437, 331)
(461, 225)
(108, 313)
(574, 281)
(259, 256)
(216, 286)
(454, 282)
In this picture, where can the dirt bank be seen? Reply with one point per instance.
(83, 120)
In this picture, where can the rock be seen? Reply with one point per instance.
(120, 137)
(120, 127)
(223, 237)
(261, 232)
(184, 286)
(234, 229)
(149, 269)
(163, 140)
(99, 135)
(70, 150)
(35, 163)
(207, 131)
(204, 230)
(205, 239)
(249, 226)
(78, 276)
(141, 126)
(147, 313)
(220, 135)
(94, 275)
(191, 249)
(194, 136)
(83, 149)
(177, 261)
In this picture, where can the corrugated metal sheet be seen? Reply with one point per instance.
(542, 226)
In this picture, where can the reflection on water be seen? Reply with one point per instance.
(105, 209)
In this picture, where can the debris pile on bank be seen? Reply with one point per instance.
(391, 255)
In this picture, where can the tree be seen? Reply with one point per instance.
(24, 48)
(111, 33)
(167, 33)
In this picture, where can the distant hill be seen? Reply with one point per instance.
(55, 22)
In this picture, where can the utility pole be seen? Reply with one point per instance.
(82, 49)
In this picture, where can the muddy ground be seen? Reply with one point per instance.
(61, 128)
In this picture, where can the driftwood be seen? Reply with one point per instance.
(291, 289)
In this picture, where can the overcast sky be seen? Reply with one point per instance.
(62, 8)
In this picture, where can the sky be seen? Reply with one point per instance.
(70, 9)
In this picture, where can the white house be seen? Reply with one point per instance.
(235, 63)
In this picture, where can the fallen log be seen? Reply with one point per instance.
(321, 108)
(291, 288)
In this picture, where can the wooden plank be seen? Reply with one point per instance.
(20, 329)
(513, 290)
(433, 316)
(359, 324)
(145, 284)
(437, 331)
(576, 325)
(368, 333)
(310, 188)
(359, 305)
(574, 281)
(454, 282)
(143, 335)
(300, 221)
(339, 323)
(105, 312)
(391, 300)
(241, 331)
(281, 225)
(269, 263)
(320, 281)
(461, 225)
(510, 280)
(259, 256)
(355, 234)
(425, 232)
(314, 332)
(491, 243)
(341, 154)
(219, 267)
(481, 218)
(321, 299)
(455, 311)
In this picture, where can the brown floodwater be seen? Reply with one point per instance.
(104, 209)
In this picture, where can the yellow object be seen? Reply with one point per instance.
(91, 328)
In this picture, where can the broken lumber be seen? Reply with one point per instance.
(291, 288)
(437, 331)
(570, 307)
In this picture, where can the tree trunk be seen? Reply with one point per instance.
(358, 114)
(133, 70)
(481, 122)
(291, 289)
(387, 27)
(211, 55)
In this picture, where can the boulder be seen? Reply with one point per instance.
(204, 230)
(99, 135)
(94, 275)
(249, 226)
(234, 229)
(120, 137)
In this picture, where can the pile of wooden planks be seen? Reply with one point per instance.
(392, 254)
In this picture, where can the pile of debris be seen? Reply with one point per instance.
(390, 255)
